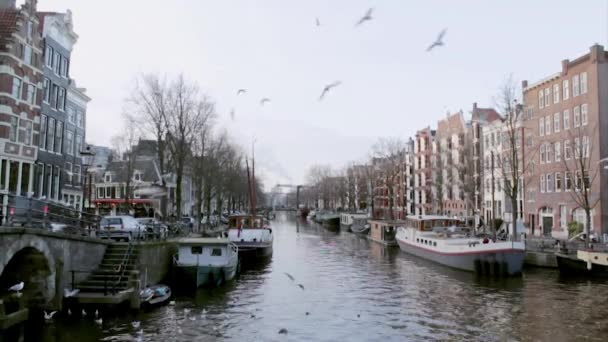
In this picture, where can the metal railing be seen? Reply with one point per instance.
(122, 268)
(39, 213)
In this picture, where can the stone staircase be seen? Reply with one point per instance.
(113, 273)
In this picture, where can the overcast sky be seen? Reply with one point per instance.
(390, 85)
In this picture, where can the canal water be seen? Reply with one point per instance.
(356, 290)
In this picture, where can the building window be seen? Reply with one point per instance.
(542, 183)
(27, 54)
(542, 153)
(547, 97)
(56, 62)
(541, 99)
(49, 56)
(567, 181)
(585, 147)
(577, 148)
(575, 87)
(47, 90)
(30, 29)
(567, 150)
(549, 151)
(78, 145)
(547, 125)
(79, 118)
(584, 114)
(541, 127)
(16, 88)
(64, 67)
(584, 83)
(550, 183)
(556, 127)
(70, 112)
(555, 93)
(61, 99)
(54, 95)
(28, 133)
(42, 134)
(50, 139)
(69, 142)
(14, 133)
(558, 182)
(566, 89)
(68, 172)
(59, 137)
(558, 151)
(77, 174)
(577, 116)
(566, 119)
(31, 94)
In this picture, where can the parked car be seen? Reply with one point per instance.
(154, 228)
(121, 228)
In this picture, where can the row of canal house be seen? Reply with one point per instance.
(42, 110)
(461, 168)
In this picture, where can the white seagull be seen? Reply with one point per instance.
(241, 91)
(366, 17)
(135, 324)
(439, 41)
(67, 293)
(17, 287)
(317, 21)
(328, 88)
(49, 316)
(264, 100)
(232, 114)
(99, 321)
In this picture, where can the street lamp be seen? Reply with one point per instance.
(88, 159)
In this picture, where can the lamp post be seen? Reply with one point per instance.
(88, 159)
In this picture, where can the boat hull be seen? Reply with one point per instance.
(207, 275)
(332, 223)
(570, 264)
(345, 227)
(253, 252)
(506, 262)
(360, 229)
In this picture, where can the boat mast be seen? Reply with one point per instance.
(250, 191)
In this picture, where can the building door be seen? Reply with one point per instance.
(547, 225)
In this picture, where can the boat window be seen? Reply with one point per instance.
(197, 250)
(232, 222)
(216, 252)
(435, 244)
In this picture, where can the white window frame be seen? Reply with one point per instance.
(47, 91)
(585, 147)
(556, 93)
(557, 176)
(577, 116)
(14, 129)
(68, 171)
(542, 153)
(556, 120)
(27, 54)
(567, 150)
(19, 83)
(31, 94)
(69, 137)
(558, 151)
(565, 90)
(549, 153)
(547, 97)
(550, 183)
(542, 183)
(541, 126)
(584, 114)
(583, 82)
(566, 119)
(28, 133)
(548, 124)
(541, 99)
(575, 86)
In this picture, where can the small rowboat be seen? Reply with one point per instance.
(155, 295)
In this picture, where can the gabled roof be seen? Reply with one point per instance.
(485, 115)
(118, 169)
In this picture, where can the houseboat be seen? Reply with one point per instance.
(443, 240)
(583, 262)
(201, 261)
(331, 221)
(252, 236)
(347, 220)
(383, 231)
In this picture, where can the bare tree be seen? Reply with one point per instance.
(148, 107)
(468, 183)
(582, 170)
(188, 113)
(124, 144)
(317, 178)
(389, 154)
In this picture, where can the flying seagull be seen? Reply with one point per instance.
(366, 17)
(49, 316)
(301, 286)
(290, 276)
(438, 42)
(241, 91)
(317, 21)
(283, 331)
(328, 88)
(99, 321)
(264, 100)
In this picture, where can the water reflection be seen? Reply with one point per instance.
(357, 290)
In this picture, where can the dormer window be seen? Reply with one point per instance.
(107, 177)
(137, 176)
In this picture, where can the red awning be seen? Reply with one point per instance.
(120, 201)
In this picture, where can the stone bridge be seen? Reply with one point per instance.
(44, 260)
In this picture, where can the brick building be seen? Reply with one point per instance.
(423, 181)
(566, 124)
(20, 89)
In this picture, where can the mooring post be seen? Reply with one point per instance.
(135, 284)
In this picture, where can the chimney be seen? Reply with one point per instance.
(8, 4)
(597, 53)
(474, 106)
(524, 84)
(565, 64)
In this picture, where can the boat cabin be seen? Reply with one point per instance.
(428, 222)
(204, 251)
(384, 231)
(246, 221)
(350, 218)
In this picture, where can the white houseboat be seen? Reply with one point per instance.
(251, 234)
(354, 222)
(203, 261)
(442, 240)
